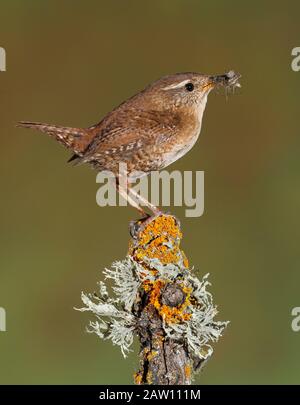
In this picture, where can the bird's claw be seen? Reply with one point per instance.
(136, 226)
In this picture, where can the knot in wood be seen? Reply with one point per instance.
(172, 295)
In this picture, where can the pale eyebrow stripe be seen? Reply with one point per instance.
(177, 85)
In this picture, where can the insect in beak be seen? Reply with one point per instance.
(230, 79)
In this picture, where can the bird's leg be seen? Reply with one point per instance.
(155, 210)
(124, 193)
(135, 227)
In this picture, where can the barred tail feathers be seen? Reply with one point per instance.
(75, 139)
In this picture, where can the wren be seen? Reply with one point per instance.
(148, 132)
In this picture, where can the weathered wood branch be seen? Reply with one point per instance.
(160, 301)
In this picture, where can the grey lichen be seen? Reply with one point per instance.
(201, 328)
(119, 323)
(117, 317)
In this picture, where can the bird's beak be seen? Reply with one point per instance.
(230, 79)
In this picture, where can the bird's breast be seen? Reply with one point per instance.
(180, 149)
(183, 141)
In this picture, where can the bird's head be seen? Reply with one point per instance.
(188, 89)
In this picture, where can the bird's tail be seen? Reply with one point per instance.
(75, 139)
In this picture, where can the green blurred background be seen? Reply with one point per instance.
(70, 62)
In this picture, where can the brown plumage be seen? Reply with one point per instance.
(76, 139)
(149, 131)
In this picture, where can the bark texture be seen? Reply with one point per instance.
(163, 360)
(158, 298)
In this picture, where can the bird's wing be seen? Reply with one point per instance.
(126, 130)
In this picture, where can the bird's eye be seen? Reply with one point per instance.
(189, 86)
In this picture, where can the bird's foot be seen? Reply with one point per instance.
(136, 226)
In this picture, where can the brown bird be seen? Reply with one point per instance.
(148, 132)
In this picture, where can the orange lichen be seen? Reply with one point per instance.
(151, 355)
(160, 239)
(188, 371)
(185, 260)
(149, 377)
(138, 378)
